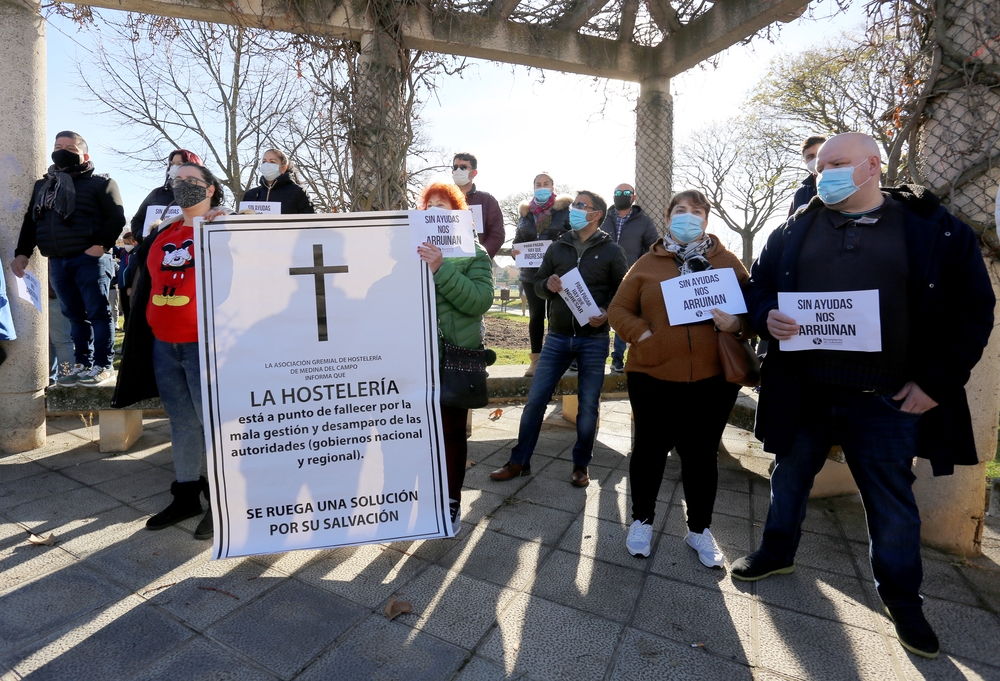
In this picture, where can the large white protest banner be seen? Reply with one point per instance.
(449, 230)
(578, 298)
(319, 382)
(692, 297)
(847, 320)
(531, 253)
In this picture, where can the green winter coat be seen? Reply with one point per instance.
(464, 294)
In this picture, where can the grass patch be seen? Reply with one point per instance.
(517, 317)
(512, 356)
(992, 469)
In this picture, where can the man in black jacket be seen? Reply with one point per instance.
(901, 397)
(74, 218)
(805, 193)
(602, 267)
(635, 232)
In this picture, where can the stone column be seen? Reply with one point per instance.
(24, 375)
(654, 147)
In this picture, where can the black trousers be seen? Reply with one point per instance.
(536, 317)
(690, 417)
(456, 448)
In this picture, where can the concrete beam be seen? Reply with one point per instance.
(724, 25)
(581, 13)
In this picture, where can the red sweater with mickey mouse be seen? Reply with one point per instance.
(171, 312)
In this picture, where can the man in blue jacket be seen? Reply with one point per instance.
(74, 217)
(935, 311)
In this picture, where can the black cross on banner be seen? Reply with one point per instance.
(319, 271)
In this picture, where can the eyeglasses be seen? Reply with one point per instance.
(580, 205)
(191, 181)
(623, 192)
(465, 167)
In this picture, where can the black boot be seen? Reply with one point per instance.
(185, 505)
(206, 528)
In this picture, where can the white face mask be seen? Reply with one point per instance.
(811, 166)
(128, 247)
(270, 171)
(172, 172)
(461, 177)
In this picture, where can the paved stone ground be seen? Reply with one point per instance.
(538, 586)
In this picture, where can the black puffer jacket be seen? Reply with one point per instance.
(97, 220)
(602, 266)
(161, 196)
(549, 228)
(638, 233)
(291, 196)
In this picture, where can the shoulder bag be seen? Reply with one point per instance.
(739, 361)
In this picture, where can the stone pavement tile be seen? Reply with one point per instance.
(821, 519)
(497, 458)
(14, 467)
(562, 470)
(430, 549)
(807, 647)
(85, 536)
(51, 602)
(366, 574)
(615, 505)
(736, 481)
(495, 557)
(153, 452)
(21, 561)
(970, 633)
(616, 439)
(477, 504)
(480, 450)
(589, 585)
(290, 562)
(821, 594)
(288, 626)
(35, 487)
(601, 539)
(676, 560)
(380, 650)
(760, 501)
(527, 520)
(453, 607)
(944, 580)
(732, 533)
(692, 614)
(101, 470)
(986, 582)
(728, 502)
(554, 492)
(206, 592)
(479, 669)
(141, 485)
(551, 641)
(823, 552)
(81, 426)
(944, 668)
(201, 660)
(146, 560)
(851, 514)
(63, 450)
(117, 643)
(644, 657)
(49, 513)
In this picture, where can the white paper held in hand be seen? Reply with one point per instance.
(837, 320)
(531, 253)
(30, 289)
(578, 298)
(449, 230)
(692, 297)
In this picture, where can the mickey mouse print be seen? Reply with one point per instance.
(171, 310)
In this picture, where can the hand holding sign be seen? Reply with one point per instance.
(554, 284)
(781, 326)
(431, 255)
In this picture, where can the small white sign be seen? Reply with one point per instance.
(154, 213)
(578, 298)
(262, 207)
(449, 230)
(30, 289)
(531, 253)
(692, 297)
(839, 320)
(477, 218)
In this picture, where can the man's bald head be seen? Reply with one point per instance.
(860, 152)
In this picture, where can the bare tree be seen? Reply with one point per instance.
(746, 169)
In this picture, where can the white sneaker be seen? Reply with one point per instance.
(456, 516)
(640, 536)
(709, 552)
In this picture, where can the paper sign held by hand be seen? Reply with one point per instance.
(530, 253)
(840, 320)
(449, 230)
(477, 218)
(578, 298)
(692, 297)
(30, 289)
(154, 213)
(262, 207)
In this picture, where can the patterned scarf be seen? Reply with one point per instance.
(58, 193)
(541, 211)
(691, 256)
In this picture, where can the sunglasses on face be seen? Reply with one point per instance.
(580, 205)
(461, 167)
(623, 192)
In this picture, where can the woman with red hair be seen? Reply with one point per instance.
(163, 195)
(464, 293)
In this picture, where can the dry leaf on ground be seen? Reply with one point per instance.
(394, 608)
(43, 539)
(495, 414)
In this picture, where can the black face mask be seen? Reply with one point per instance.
(64, 158)
(623, 202)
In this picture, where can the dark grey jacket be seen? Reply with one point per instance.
(637, 236)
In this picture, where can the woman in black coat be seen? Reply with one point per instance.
(163, 195)
(278, 184)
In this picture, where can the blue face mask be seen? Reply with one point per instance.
(577, 219)
(542, 194)
(686, 227)
(837, 184)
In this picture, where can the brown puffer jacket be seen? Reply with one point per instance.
(683, 353)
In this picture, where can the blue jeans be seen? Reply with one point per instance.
(879, 442)
(60, 340)
(82, 284)
(178, 377)
(618, 351)
(559, 351)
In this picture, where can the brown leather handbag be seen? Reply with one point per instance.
(739, 361)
